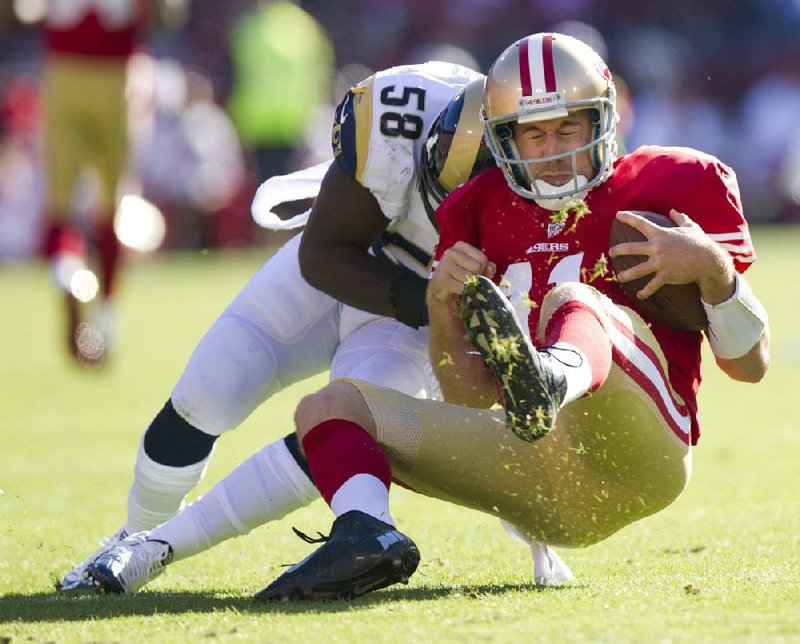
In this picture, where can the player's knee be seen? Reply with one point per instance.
(566, 293)
(230, 372)
(340, 400)
(212, 410)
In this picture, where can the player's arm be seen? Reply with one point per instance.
(738, 326)
(345, 222)
(460, 370)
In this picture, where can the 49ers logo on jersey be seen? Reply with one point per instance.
(548, 247)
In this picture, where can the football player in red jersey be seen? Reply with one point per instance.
(87, 48)
(604, 399)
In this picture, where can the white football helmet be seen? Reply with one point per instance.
(541, 77)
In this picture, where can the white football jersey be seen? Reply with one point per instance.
(378, 133)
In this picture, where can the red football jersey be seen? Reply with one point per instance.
(102, 29)
(533, 250)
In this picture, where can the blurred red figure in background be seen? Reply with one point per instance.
(87, 47)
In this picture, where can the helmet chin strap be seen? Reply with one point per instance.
(557, 203)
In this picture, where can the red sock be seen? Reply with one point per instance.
(62, 239)
(577, 324)
(337, 450)
(109, 253)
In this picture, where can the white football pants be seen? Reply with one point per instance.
(276, 331)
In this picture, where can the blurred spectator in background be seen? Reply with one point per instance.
(22, 185)
(767, 154)
(186, 155)
(282, 69)
(671, 107)
(730, 86)
(88, 44)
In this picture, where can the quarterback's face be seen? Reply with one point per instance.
(556, 136)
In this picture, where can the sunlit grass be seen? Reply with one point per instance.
(720, 564)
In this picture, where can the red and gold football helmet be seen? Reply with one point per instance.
(541, 77)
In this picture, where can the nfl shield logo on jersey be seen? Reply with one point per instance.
(553, 229)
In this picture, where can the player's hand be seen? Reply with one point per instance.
(679, 255)
(458, 263)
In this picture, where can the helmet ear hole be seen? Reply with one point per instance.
(510, 150)
(504, 132)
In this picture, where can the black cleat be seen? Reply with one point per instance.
(361, 554)
(532, 390)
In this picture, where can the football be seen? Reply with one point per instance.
(676, 305)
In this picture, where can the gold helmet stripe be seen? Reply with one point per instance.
(362, 107)
(465, 143)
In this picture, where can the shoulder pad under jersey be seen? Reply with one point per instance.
(382, 122)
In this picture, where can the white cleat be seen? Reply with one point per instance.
(130, 564)
(548, 568)
(77, 579)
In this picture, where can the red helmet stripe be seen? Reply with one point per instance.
(524, 68)
(547, 61)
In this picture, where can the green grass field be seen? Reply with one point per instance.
(721, 564)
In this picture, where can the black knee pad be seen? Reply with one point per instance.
(171, 440)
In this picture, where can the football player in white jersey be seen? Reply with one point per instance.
(368, 243)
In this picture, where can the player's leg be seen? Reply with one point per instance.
(274, 481)
(352, 470)
(276, 331)
(535, 383)
(270, 484)
(385, 352)
(64, 154)
(107, 113)
(616, 443)
(364, 551)
(612, 459)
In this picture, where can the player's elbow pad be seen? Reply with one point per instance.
(407, 294)
(736, 325)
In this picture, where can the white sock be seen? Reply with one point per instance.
(363, 492)
(158, 491)
(267, 486)
(577, 370)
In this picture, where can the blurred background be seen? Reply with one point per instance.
(222, 95)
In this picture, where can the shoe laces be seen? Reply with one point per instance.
(104, 543)
(321, 539)
(140, 562)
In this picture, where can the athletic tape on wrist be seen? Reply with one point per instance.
(735, 325)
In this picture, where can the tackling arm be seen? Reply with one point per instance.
(344, 222)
